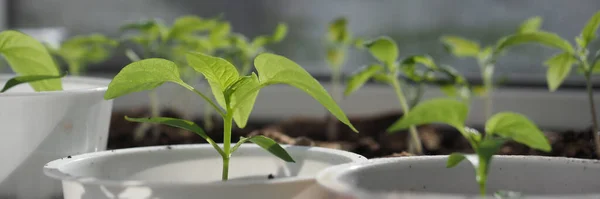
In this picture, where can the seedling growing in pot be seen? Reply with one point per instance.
(339, 41)
(559, 65)
(81, 51)
(235, 94)
(486, 57)
(30, 60)
(500, 128)
(387, 71)
(243, 51)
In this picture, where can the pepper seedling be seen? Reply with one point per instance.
(486, 57)
(80, 51)
(387, 71)
(41, 73)
(235, 94)
(559, 65)
(339, 41)
(500, 128)
(243, 51)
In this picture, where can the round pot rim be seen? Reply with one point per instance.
(53, 168)
(327, 178)
(100, 85)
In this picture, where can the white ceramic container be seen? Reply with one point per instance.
(423, 177)
(38, 127)
(194, 171)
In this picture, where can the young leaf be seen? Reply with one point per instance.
(276, 69)
(27, 56)
(517, 127)
(337, 31)
(267, 144)
(359, 78)
(530, 25)
(448, 111)
(246, 87)
(559, 67)
(27, 79)
(219, 73)
(178, 123)
(280, 32)
(456, 158)
(540, 37)
(144, 75)
(589, 31)
(189, 24)
(383, 49)
(425, 60)
(596, 67)
(461, 47)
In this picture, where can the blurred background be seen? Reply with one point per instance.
(416, 25)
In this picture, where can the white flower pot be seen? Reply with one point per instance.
(38, 127)
(427, 177)
(194, 171)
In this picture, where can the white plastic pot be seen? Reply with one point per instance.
(38, 127)
(427, 177)
(194, 171)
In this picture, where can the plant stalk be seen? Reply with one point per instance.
(414, 144)
(488, 85)
(332, 129)
(590, 92)
(227, 125)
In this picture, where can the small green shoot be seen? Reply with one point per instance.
(500, 128)
(560, 65)
(80, 51)
(486, 57)
(387, 71)
(30, 60)
(235, 94)
(243, 51)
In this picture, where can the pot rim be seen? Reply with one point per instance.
(53, 169)
(328, 178)
(100, 85)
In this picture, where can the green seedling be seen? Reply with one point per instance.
(244, 51)
(559, 65)
(486, 57)
(500, 128)
(339, 41)
(30, 60)
(80, 51)
(387, 71)
(188, 33)
(235, 94)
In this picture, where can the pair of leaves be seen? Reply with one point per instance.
(28, 57)
(262, 141)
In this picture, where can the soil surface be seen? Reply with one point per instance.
(371, 142)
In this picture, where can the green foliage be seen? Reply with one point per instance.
(589, 31)
(559, 68)
(540, 37)
(28, 57)
(267, 144)
(384, 49)
(461, 47)
(530, 25)
(80, 51)
(499, 128)
(27, 79)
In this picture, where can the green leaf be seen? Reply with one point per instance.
(543, 38)
(383, 49)
(280, 32)
(455, 158)
(532, 24)
(276, 69)
(337, 31)
(242, 94)
(596, 67)
(178, 123)
(382, 78)
(144, 75)
(267, 144)
(559, 67)
(589, 31)
(219, 73)
(425, 60)
(485, 151)
(28, 57)
(460, 47)
(447, 111)
(517, 127)
(189, 24)
(449, 90)
(26, 79)
(361, 76)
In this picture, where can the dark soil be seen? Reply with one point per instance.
(371, 142)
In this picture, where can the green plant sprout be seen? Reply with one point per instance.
(387, 71)
(500, 128)
(188, 33)
(559, 65)
(41, 73)
(80, 51)
(235, 94)
(243, 51)
(339, 40)
(486, 58)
